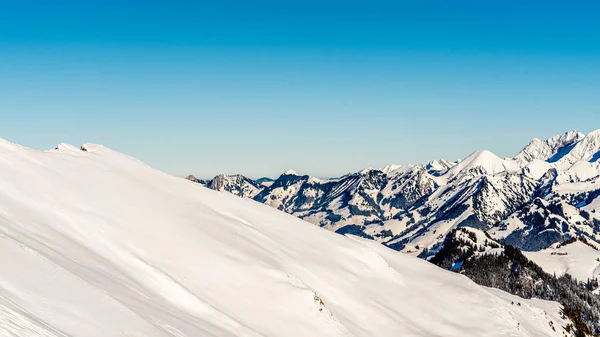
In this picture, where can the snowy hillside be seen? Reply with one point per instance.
(578, 259)
(95, 243)
(490, 263)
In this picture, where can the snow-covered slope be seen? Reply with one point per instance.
(580, 171)
(579, 259)
(95, 243)
(537, 168)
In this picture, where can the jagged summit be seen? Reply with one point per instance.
(551, 149)
(587, 149)
(440, 166)
(236, 184)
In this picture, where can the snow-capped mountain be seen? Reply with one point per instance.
(438, 167)
(96, 243)
(587, 149)
(236, 184)
(412, 207)
(551, 149)
(481, 162)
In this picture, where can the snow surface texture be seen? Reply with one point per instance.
(95, 243)
(577, 259)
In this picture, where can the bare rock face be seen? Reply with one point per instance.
(196, 180)
(236, 184)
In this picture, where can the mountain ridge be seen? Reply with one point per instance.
(412, 207)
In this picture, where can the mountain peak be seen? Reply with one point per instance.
(587, 148)
(439, 164)
(236, 184)
(485, 159)
(551, 149)
(290, 172)
(193, 178)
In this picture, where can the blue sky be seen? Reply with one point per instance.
(324, 87)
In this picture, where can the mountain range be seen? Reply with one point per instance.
(547, 193)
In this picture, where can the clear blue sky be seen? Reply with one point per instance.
(324, 87)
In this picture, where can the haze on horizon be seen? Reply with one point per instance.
(325, 88)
